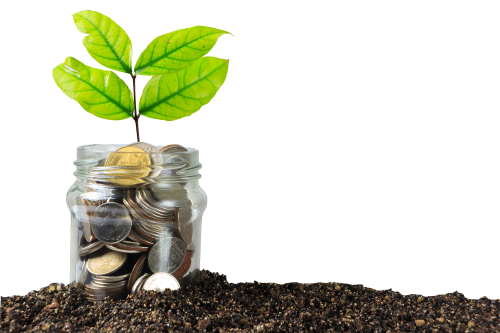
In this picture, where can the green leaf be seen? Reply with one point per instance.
(177, 50)
(99, 92)
(107, 42)
(178, 95)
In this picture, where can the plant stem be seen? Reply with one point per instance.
(136, 114)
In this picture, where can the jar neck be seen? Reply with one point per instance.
(104, 166)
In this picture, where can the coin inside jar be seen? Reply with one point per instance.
(111, 223)
(106, 262)
(135, 162)
(167, 255)
(160, 282)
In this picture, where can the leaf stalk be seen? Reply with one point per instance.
(136, 114)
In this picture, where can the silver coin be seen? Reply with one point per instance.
(117, 249)
(138, 213)
(150, 207)
(171, 197)
(110, 278)
(129, 243)
(171, 168)
(145, 195)
(104, 193)
(184, 214)
(108, 284)
(173, 160)
(154, 154)
(139, 283)
(136, 237)
(152, 210)
(156, 232)
(161, 281)
(92, 247)
(111, 223)
(173, 149)
(141, 229)
(143, 214)
(183, 218)
(165, 230)
(132, 210)
(167, 255)
(132, 246)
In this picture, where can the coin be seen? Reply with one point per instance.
(103, 192)
(106, 262)
(136, 211)
(171, 197)
(161, 281)
(138, 238)
(143, 234)
(136, 162)
(92, 247)
(146, 200)
(108, 284)
(183, 216)
(131, 246)
(172, 162)
(139, 283)
(169, 157)
(136, 271)
(167, 255)
(173, 149)
(93, 289)
(111, 223)
(99, 292)
(132, 210)
(117, 249)
(183, 269)
(110, 278)
(154, 154)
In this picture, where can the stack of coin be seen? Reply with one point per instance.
(134, 235)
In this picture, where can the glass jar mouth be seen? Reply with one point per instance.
(130, 167)
(112, 148)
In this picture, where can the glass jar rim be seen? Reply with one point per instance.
(165, 166)
(112, 148)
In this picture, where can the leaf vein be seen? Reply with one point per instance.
(168, 53)
(178, 91)
(125, 67)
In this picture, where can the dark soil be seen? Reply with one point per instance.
(217, 306)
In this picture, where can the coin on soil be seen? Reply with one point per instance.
(160, 282)
(111, 222)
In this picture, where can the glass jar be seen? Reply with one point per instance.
(136, 214)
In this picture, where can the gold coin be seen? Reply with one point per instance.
(136, 161)
(106, 262)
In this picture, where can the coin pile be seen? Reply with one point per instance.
(136, 234)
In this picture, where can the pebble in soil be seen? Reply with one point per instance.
(215, 305)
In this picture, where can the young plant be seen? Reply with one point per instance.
(183, 79)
